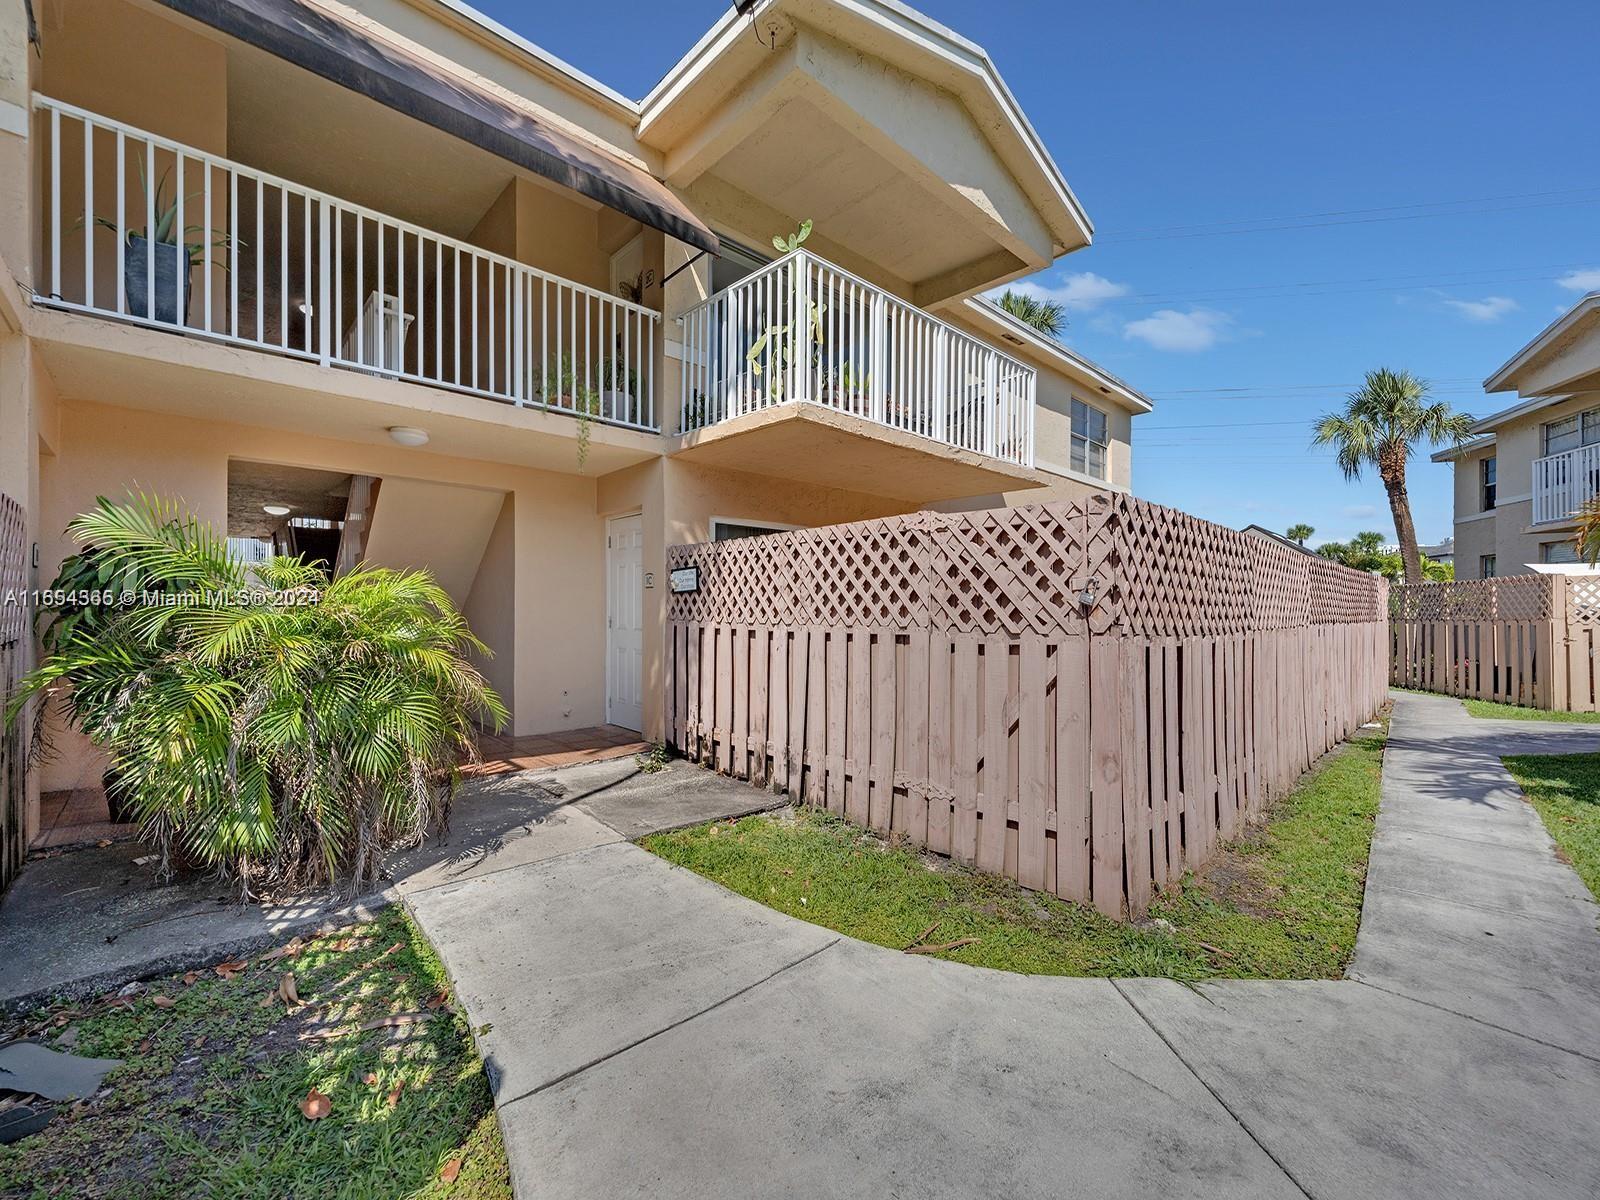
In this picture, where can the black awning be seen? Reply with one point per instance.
(338, 51)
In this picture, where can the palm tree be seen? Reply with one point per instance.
(274, 726)
(1381, 425)
(1047, 316)
(1299, 533)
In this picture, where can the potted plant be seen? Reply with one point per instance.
(564, 389)
(161, 252)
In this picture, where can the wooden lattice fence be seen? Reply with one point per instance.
(1518, 639)
(1084, 696)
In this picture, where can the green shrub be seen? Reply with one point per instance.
(263, 721)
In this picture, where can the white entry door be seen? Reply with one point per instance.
(625, 622)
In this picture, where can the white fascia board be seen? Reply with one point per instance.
(1500, 380)
(1451, 453)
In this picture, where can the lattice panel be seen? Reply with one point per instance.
(1510, 598)
(1583, 600)
(1153, 571)
(13, 570)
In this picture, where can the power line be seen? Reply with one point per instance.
(1355, 216)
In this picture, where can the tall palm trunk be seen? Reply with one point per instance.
(1405, 531)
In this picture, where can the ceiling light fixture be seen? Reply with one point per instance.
(406, 435)
(276, 510)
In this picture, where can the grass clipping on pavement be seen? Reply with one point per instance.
(1282, 902)
(1565, 791)
(329, 1067)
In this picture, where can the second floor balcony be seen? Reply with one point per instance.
(148, 230)
(801, 331)
(1563, 482)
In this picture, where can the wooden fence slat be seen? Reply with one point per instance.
(1032, 845)
(838, 647)
(913, 754)
(880, 801)
(940, 723)
(1105, 775)
(995, 790)
(964, 750)
(1072, 769)
(1128, 685)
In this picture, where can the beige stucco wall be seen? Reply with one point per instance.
(554, 653)
(29, 430)
(491, 607)
(1509, 534)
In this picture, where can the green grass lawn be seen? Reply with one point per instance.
(1283, 902)
(1516, 712)
(1565, 789)
(208, 1101)
(1493, 710)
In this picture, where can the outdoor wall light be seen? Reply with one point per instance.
(276, 510)
(405, 435)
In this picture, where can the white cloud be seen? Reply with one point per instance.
(1586, 279)
(1185, 332)
(1490, 308)
(1080, 292)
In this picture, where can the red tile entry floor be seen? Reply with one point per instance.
(80, 816)
(502, 755)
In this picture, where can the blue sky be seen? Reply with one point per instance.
(1437, 162)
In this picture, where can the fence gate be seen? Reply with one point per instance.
(14, 633)
(1086, 697)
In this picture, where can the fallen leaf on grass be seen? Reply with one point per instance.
(287, 991)
(394, 1094)
(315, 1106)
(439, 1000)
(448, 1172)
(288, 950)
(940, 947)
(410, 1018)
(229, 969)
(144, 1046)
(189, 978)
(162, 1001)
(370, 1079)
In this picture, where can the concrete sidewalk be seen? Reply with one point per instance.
(87, 920)
(651, 1033)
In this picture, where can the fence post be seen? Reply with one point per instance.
(1554, 639)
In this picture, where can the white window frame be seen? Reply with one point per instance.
(748, 523)
(1585, 424)
(1088, 442)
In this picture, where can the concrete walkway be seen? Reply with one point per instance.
(651, 1033)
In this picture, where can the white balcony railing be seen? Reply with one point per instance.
(251, 259)
(802, 330)
(1562, 482)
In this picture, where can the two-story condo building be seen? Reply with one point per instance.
(381, 280)
(1529, 467)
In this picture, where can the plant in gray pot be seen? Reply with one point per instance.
(160, 252)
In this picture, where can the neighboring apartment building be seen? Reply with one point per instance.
(1527, 468)
(449, 302)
